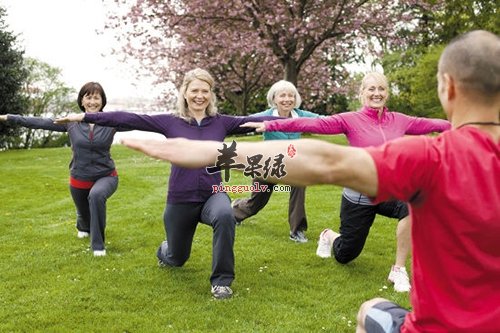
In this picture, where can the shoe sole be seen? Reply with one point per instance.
(222, 297)
(299, 241)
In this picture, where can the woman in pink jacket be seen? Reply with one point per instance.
(372, 125)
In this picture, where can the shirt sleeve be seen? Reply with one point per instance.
(322, 125)
(130, 121)
(404, 168)
(419, 125)
(36, 123)
(233, 123)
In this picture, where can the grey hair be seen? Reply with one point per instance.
(281, 86)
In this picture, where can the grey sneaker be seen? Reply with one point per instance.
(298, 236)
(221, 292)
(161, 254)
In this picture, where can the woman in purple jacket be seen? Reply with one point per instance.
(93, 178)
(191, 198)
(372, 125)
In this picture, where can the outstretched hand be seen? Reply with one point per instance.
(144, 146)
(70, 118)
(259, 126)
(3, 117)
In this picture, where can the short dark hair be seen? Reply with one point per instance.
(90, 88)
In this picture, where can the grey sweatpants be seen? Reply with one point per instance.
(91, 209)
(181, 221)
(244, 208)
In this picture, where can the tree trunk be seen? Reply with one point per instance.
(27, 138)
(291, 71)
(237, 101)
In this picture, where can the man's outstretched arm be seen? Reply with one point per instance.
(311, 161)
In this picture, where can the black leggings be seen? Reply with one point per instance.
(355, 223)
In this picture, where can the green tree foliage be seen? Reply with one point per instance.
(460, 16)
(414, 88)
(12, 76)
(47, 96)
(412, 71)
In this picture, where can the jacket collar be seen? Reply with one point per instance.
(276, 114)
(373, 113)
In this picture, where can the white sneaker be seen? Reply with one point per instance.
(99, 253)
(82, 234)
(325, 245)
(399, 277)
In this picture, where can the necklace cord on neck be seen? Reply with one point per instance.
(486, 123)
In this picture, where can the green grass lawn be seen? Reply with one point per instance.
(50, 282)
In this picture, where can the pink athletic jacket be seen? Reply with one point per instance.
(362, 128)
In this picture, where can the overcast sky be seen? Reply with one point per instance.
(63, 34)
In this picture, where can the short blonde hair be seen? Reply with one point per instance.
(379, 78)
(182, 107)
(279, 86)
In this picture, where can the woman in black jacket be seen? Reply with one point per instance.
(93, 177)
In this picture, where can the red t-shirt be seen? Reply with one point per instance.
(452, 183)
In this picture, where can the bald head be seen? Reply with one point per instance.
(473, 61)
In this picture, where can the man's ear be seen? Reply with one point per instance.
(450, 86)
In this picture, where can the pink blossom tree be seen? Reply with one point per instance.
(249, 44)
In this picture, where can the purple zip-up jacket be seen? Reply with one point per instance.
(362, 128)
(184, 185)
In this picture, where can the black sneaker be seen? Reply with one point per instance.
(222, 292)
(298, 236)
